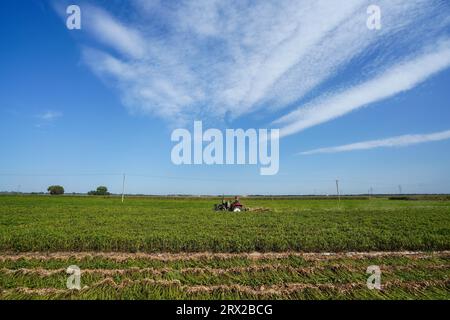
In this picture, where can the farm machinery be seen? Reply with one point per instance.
(234, 206)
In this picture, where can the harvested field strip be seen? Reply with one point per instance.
(294, 287)
(218, 271)
(286, 275)
(281, 291)
(110, 261)
(299, 262)
(253, 276)
(120, 256)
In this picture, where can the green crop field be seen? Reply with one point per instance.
(178, 248)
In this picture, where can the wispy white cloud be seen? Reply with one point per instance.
(400, 141)
(114, 33)
(218, 59)
(49, 116)
(341, 47)
(399, 78)
(46, 118)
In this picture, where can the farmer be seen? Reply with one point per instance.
(236, 204)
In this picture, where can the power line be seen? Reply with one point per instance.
(57, 175)
(207, 179)
(145, 176)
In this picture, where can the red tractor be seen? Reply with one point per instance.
(234, 206)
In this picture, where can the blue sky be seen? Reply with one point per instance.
(367, 107)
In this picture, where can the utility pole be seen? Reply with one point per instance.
(123, 187)
(337, 189)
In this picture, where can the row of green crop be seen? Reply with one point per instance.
(100, 262)
(155, 225)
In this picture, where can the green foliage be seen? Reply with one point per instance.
(101, 191)
(39, 223)
(55, 190)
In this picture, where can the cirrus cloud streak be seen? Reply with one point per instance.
(400, 141)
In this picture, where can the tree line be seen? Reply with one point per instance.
(59, 190)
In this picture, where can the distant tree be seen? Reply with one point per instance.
(55, 190)
(101, 191)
